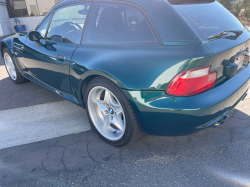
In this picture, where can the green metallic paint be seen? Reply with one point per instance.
(225, 48)
(140, 68)
(161, 114)
(9, 41)
(143, 72)
(40, 59)
(52, 89)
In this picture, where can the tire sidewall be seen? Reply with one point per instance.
(126, 138)
(6, 50)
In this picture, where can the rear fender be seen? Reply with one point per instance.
(80, 77)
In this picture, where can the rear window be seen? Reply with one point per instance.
(210, 18)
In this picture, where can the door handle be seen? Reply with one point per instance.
(61, 57)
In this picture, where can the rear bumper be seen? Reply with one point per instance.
(160, 114)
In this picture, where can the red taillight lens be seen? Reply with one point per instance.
(192, 82)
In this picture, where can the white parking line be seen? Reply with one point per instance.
(41, 122)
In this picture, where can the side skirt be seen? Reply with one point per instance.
(58, 92)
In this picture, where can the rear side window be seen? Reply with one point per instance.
(210, 18)
(119, 23)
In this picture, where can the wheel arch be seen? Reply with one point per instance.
(7, 43)
(2, 46)
(92, 74)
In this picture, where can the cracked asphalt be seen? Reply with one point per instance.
(212, 157)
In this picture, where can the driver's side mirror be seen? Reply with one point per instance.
(35, 36)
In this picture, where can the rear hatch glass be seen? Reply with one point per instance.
(209, 19)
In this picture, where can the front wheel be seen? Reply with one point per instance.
(111, 113)
(11, 68)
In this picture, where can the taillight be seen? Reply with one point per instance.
(192, 82)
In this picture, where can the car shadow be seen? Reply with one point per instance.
(22, 95)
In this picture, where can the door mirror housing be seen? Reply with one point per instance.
(35, 36)
(56, 38)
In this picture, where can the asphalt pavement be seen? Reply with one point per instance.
(212, 157)
(31, 113)
(22, 95)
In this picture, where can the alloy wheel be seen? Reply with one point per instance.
(106, 113)
(10, 66)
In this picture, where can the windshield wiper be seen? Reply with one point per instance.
(237, 32)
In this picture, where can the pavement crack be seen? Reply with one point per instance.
(228, 143)
(64, 148)
(90, 156)
(62, 159)
(44, 168)
(95, 161)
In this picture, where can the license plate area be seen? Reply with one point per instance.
(235, 64)
(240, 61)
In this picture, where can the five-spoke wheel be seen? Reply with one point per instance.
(10, 66)
(106, 113)
(110, 112)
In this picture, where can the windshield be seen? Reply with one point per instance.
(210, 18)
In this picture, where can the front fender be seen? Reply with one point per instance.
(7, 42)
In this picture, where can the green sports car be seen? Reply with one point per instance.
(163, 67)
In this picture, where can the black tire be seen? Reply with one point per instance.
(133, 129)
(19, 78)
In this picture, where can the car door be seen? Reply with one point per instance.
(48, 60)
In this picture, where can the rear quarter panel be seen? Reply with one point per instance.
(137, 68)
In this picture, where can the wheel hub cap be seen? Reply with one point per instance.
(111, 111)
(106, 113)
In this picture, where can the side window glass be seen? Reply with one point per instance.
(118, 23)
(67, 23)
(43, 27)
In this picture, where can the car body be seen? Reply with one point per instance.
(144, 70)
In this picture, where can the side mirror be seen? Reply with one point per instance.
(34, 36)
(56, 38)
